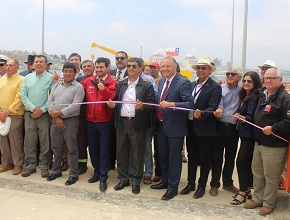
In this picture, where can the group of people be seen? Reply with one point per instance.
(116, 114)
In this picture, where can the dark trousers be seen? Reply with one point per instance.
(129, 140)
(82, 142)
(69, 136)
(225, 148)
(244, 162)
(199, 149)
(100, 143)
(157, 169)
(169, 149)
(113, 149)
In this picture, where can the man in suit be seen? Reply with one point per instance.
(121, 62)
(202, 126)
(131, 122)
(174, 90)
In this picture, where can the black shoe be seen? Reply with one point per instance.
(53, 176)
(135, 189)
(169, 195)
(82, 170)
(121, 185)
(189, 188)
(159, 186)
(71, 180)
(103, 185)
(94, 178)
(199, 193)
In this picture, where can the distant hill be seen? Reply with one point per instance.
(21, 56)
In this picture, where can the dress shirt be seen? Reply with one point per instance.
(230, 103)
(164, 85)
(128, 110)
(67, 94)
(152, 81)
(122, 74)
(35, 90)
(10, 90)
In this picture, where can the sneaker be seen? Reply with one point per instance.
(252, 205)
(27, 172)
(4, 168)
(44, 173)
(17, 169)
(265, 211)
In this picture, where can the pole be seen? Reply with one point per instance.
(245, 37)
(232, 43)
(42, 51)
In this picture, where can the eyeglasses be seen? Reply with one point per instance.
(201, 67)
(247, 80)
(270, 78)
(120, 58)
(133, 66)
(233, 74)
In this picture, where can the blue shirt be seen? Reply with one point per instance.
(229, 103)
(152, 81)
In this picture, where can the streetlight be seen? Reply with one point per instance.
(42, 51)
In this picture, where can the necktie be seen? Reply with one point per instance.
(161, 99)
(119, 74)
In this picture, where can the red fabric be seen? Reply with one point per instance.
(99, 112)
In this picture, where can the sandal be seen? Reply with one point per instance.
(248, 194)
(147, 180)
(238, 202)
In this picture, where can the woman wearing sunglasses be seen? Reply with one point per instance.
(249, 96)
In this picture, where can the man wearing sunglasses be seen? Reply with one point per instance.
(3, 60)
(131, 122)
(226, 142)
(121, 62)
(206, 94)
(267, 65)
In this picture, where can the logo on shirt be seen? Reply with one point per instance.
(267, 108)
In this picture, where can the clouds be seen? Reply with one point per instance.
(72, 25)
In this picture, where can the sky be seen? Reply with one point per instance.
(197, 27)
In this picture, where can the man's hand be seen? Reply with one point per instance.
(146, 80)
(60, 123)
(55, 113)
(197, 114)
(37, 112)
(55, 76)
(165, 104)
(267, 130)
(4, 115)
(139, 105)
(100, 85)
(111, 104)
(218, 113)
(240, 117)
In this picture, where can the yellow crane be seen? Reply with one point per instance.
(185, 73)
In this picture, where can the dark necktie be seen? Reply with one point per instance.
(119, 74)
(161, 99)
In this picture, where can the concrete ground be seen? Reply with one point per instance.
(35, 198)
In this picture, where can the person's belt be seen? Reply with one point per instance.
(227, 123)
(127, 118)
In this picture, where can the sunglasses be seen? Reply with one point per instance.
(233, 74)
(247, 80)
(120, 58)
(201, 67)
(2, 64)
(133, 66)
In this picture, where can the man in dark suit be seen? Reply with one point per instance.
(131, 122)
(174, 90)
(202, 126)
(121, 63)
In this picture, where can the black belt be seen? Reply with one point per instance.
(227, 123)
(127, 118)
